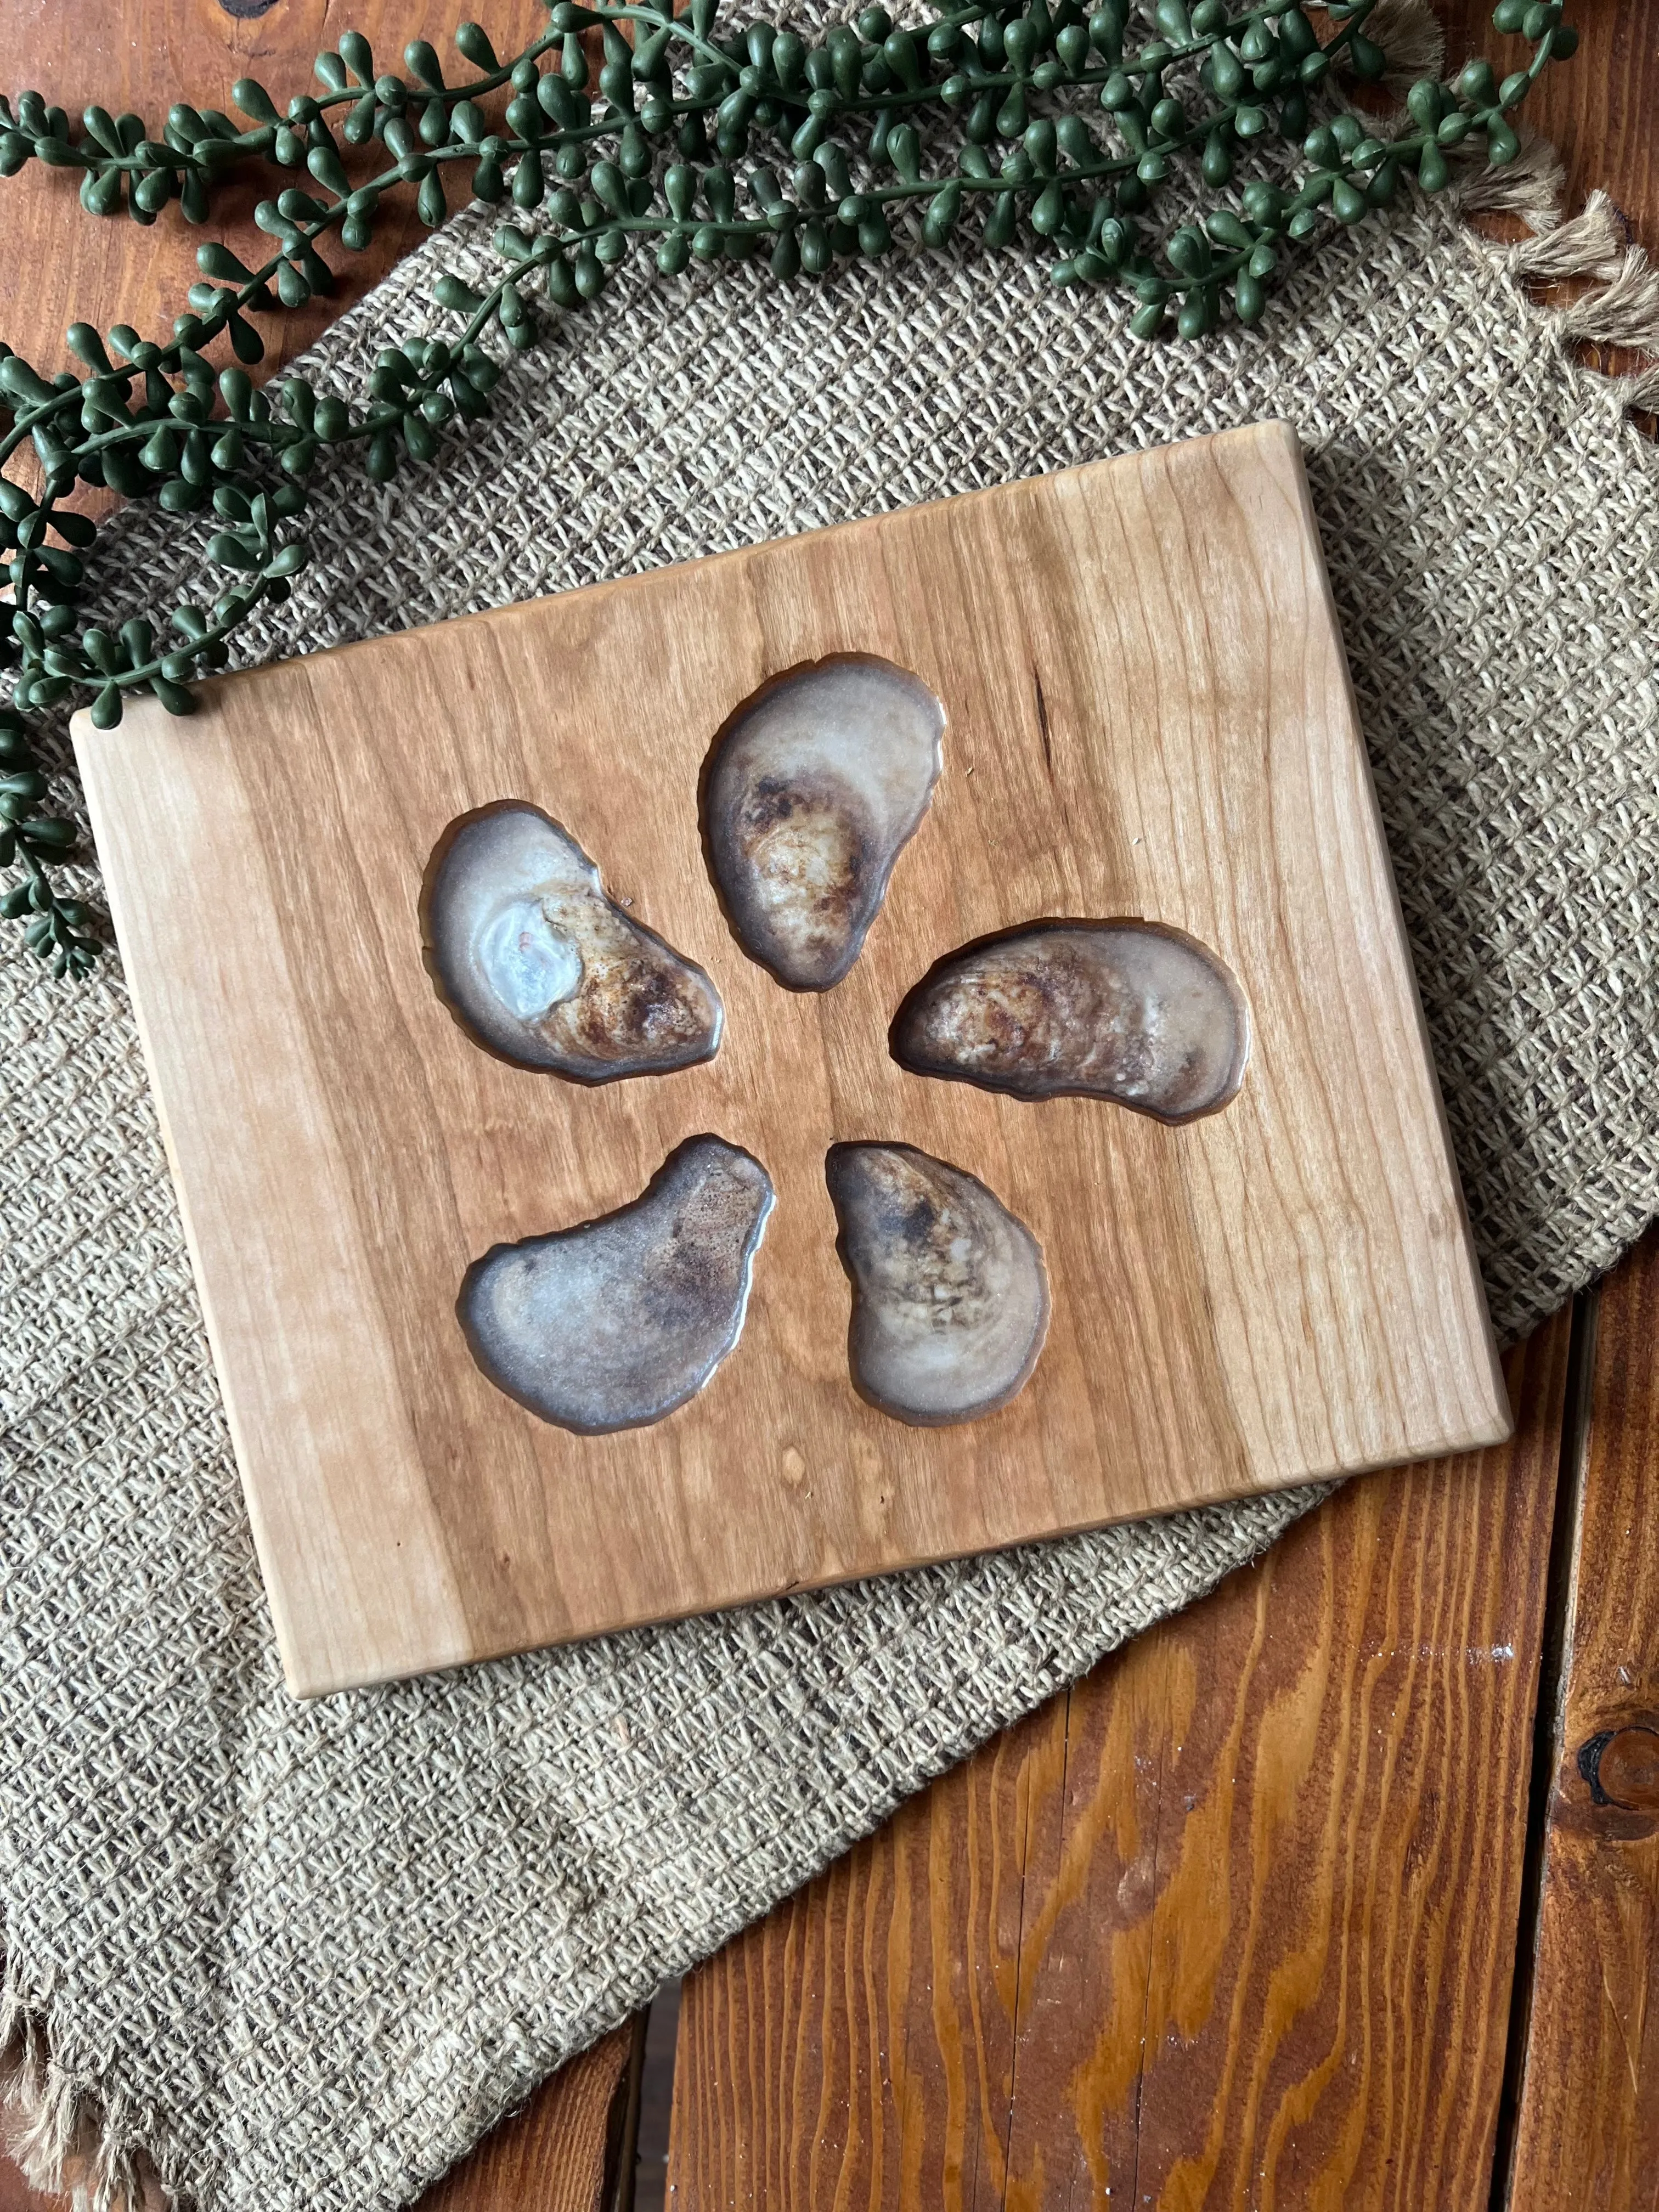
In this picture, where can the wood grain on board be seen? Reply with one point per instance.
(567, 2151)
(1149, 714)
(1230, 1925)
(1587, 2132)
(570, 2148)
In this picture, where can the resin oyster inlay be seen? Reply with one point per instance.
(1127, 1010)
(949, 1293)
(615, 1322)
(540, 966)
(813, 791)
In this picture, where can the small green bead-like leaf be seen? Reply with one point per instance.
(473, 42)
(904, 152)
(254, 100)
(421, 62)
(324, 164)
(1049, 211)
(610, 186)
(1000, 223)
(101, 191)
(1218, 160)
(1383, 184)
(152, 192)
(460, 299)
(246, 342)
(160, 450)
(942, 213)
(1502, 143)
(226, 550)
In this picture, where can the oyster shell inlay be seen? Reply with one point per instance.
(1128, 1011)
(615, 1322)
(949, 1292)
(540, 966)
(812, 793)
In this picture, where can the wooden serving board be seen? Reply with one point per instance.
(1149, 715)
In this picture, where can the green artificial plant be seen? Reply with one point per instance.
(623, 126)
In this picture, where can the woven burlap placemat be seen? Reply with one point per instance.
(303, 1956)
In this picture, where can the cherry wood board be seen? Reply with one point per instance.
(1230, 1924)
(1150, 715)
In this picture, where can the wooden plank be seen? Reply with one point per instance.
(1598, 109)
(1149, 715)
(1230, 1925)
(569, 2150)
(63, 265)
(1587, 2131)
(17, 2195)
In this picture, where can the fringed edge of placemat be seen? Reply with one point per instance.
(62, 2133)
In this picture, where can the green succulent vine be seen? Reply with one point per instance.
(1037, 119)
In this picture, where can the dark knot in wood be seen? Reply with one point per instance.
(1621, 1766)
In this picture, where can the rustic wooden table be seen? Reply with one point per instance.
(1340, 1890)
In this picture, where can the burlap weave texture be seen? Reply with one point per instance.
(305, 1955)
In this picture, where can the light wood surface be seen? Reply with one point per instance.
(1149, 715)
(1587, 2132)
(1230, 1924)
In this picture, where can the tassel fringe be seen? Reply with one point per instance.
(60, 2136)
(1410, 32)
(1619, 305)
